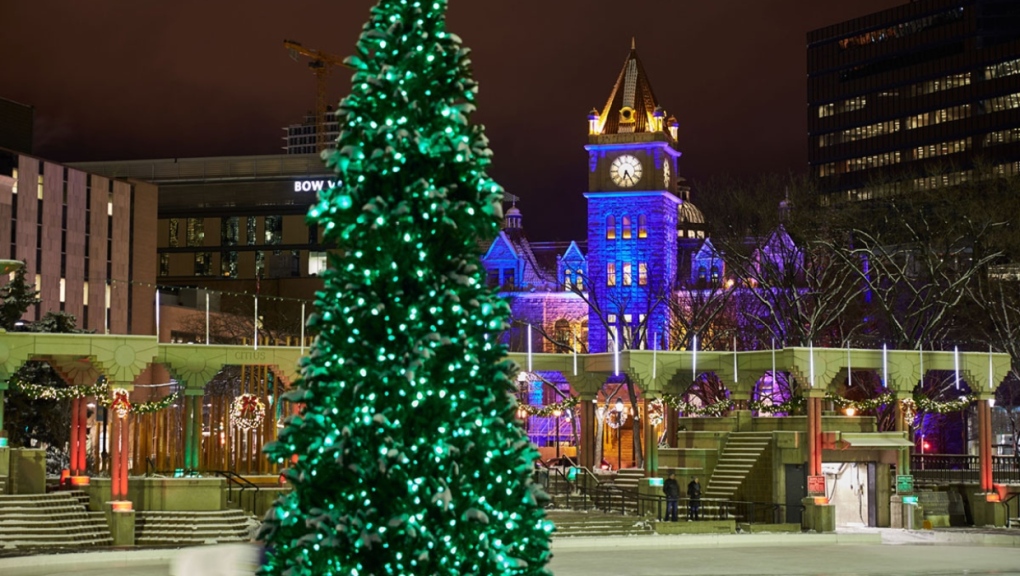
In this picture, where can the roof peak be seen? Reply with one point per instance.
(632, 106)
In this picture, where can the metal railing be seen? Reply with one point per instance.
(576, 486)
(245, 484)
(962, 469)
(744, 512)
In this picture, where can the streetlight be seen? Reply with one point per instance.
(619, 433)
(557, 413)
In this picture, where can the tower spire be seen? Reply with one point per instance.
(633, 43)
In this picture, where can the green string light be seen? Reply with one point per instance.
(407, 457)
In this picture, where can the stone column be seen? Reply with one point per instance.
(2, 391)
(586, 441)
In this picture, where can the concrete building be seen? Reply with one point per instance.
(88, 241)
(913, 97)
(300, 138)
(233, 228)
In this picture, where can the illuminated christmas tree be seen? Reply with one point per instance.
(406, 457)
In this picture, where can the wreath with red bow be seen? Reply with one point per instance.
(247, 412)
(120, 403)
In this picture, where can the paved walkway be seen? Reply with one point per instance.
(861, 552)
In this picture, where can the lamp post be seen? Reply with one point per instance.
(619, 434)
(557, 413)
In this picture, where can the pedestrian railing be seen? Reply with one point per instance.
(962, 469)
(744, 512)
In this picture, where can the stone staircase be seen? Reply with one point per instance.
(626, 482)
(55, 520)
(571, 524)
(190, 528)
(738, 456)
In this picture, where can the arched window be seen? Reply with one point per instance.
(579, 283)
(642, 226)
(626, 227)
(610, 227)
(702, 274)
(715, 276)
(568, 280)
(564, 339)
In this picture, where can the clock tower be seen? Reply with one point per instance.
(632, 215)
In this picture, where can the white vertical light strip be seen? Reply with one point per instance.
(157, 315)
(885, 367)
(207, 318)
(811, 363)
(920, 361)
(573, 335)
(849, 371)
(302, 329)
(956, 365)
(616, 353)
(529, 347)
(256, 323)
(694, 360)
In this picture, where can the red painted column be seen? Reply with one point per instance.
(75, 414)
(118, 457)
(83, 428)
(812, 434)
(125, 450)
(985, 444)
(818, 436)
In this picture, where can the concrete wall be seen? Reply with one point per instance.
(164, 494)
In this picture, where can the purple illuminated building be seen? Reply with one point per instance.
(643, 233)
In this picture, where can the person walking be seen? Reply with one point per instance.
(671, 488)
(693, 499)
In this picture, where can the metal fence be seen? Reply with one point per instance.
(962, 469)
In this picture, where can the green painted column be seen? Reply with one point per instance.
(196, 435)
(2, 401)
(192, 430)
(651, 443)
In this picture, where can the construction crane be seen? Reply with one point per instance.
(321, 63)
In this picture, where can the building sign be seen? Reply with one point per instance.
(904, 484)
(313, 185)
(816, 485)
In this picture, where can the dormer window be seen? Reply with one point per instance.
(610, 227)
(579, 282)
(568, 280)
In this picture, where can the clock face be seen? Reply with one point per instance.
(625, 171)
(665, 173)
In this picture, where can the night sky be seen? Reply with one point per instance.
(124, 79)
